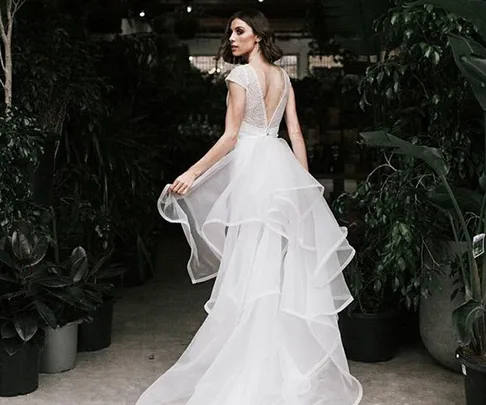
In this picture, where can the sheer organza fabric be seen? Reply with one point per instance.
(257, 221)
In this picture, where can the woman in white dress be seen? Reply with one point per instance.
(257, 221)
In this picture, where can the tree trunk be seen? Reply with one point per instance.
(8, 9)
(8, 63)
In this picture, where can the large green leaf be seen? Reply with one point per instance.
(75, 297)
(51, 280)
(79, 294)
(111, 271)
(39, 251)
(46, 313)
(7, 259)
(431, 156)
(22, 245)
(100, 264)
(8, 331)
(468, 200)
(475, 68)
(470, 57)
(464, 318)
(471, 10)
(63, 297)
(79, 264)
(5, 277)
(26, 326)
(12, 295)
(482, 181)
(54, 281)
(12, 345)
(95, 295)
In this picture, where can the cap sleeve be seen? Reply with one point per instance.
(238, 75)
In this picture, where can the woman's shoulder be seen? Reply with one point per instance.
(239, 68)
(239, 74)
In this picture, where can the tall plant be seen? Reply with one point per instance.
(22, 139)
(107, 170)
(410, 92)
(390, 228)
(35, 293)
(470, 56)
(413, 90)
(58, 66)
(21, 142)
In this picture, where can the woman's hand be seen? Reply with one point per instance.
(183, 183)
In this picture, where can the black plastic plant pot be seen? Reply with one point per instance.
(19, 373)
(370, 338)
(474, 371)
(96, 335)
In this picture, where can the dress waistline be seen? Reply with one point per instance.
(248, 132)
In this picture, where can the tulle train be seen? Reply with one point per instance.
(257, 220)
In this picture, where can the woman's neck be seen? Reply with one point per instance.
(256, 58)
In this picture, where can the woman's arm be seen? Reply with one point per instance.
(234, 117)
(295, 133)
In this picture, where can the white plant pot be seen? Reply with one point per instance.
(436, 327)
(60, 349)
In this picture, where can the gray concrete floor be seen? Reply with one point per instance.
(154, 323)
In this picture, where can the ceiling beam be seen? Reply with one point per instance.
(224, 8)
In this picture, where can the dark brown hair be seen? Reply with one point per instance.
(261, 27)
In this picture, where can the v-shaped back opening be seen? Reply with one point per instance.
(268, 121)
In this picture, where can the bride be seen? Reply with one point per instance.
(256, 220)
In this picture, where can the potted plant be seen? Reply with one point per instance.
(72, 298)
(387, 228)
(95, 332)
(411, 91)
(23, 312)
(469, 317)
(40, 297)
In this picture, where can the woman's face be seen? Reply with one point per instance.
(242, 39)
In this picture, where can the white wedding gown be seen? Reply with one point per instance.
(257, 221)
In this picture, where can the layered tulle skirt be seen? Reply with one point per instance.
(257, 222)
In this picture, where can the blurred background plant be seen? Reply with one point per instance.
(21, 147)
(105, 131)
(414, 90)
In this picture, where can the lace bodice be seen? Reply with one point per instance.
(255, 120)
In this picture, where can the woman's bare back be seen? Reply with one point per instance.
(271, 80)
